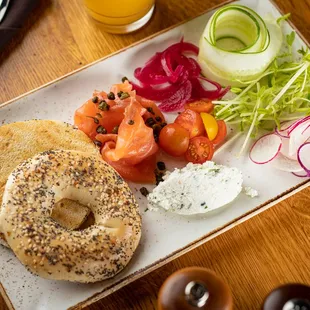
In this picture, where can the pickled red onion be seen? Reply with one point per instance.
(174, 79)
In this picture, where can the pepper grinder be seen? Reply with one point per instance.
(194, 288)
(288, 297)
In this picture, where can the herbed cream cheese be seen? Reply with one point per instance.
(196, 188)
(251, 192)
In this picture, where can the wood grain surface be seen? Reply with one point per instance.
(268, 250)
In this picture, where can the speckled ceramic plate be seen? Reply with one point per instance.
(165, 236)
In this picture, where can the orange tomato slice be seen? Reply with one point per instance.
(192, 122)
(222, 132)
(200, 106)
(174, 139)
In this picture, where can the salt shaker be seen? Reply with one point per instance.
(288, 297)
(194, 288)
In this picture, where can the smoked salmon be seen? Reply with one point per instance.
(135, 141)
(122, 123)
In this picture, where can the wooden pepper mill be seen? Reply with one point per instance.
(194, 288)
(288, 297)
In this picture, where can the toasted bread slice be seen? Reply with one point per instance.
(21, 140)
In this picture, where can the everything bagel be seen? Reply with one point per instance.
(52, 251)
(22, 140)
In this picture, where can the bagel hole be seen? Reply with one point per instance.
(90, 221)
(72, 215)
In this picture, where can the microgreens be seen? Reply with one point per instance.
(281, 93)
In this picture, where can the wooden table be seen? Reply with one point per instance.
(268, 250)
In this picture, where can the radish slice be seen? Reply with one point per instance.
(298, 136)
(303, 157)
(306, 129)
(286, 147)
(283, 132)
(297, 123)
(266, 149)
(284, 163)
(291, 153)
(300, 175)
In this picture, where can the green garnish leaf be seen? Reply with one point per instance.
(290, 38)
(215, 170)
(241, 126)
(284, 17)
(303, 51)
(236, 90)
(261, 110)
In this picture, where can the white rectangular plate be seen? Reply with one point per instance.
(165, 236)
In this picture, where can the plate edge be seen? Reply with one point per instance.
(6, 297)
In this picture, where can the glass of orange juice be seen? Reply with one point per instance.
(121, 16)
